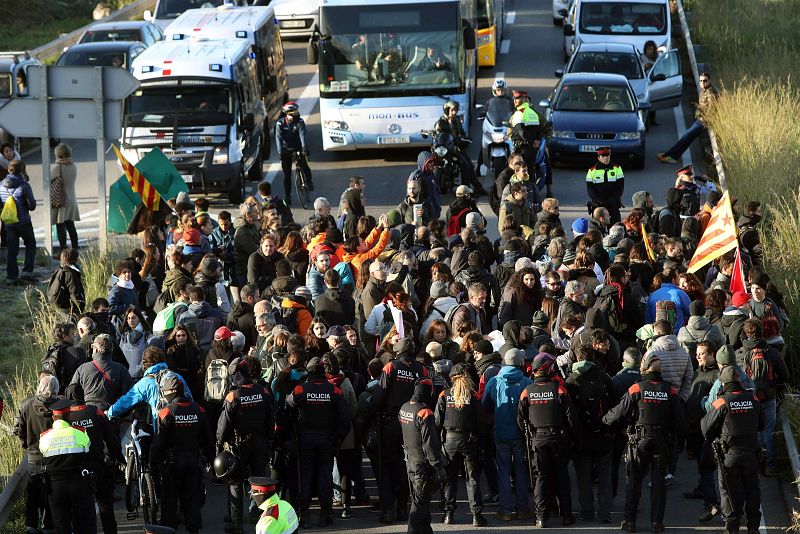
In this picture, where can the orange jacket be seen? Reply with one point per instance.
(303, 315)
(376, 241)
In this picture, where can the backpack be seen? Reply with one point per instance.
(761, 372)
(165, 319)
(162, 399)
(9, 214)
(288, 318)
(591, 402)
(345, 273)
(448, 317)
(57, 294)
(218, 381)
(52, 363)
(163, 300)
(666, 311)
(454, 223)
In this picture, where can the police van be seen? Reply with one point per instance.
(200, 102)
(258, 27)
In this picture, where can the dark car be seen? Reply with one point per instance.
(127, 30)
(590, 110)
(102, 54)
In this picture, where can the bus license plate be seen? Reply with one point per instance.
(187, 178)
(293, 24)
(394, 140)
(590, 148)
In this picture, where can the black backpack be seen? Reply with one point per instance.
(57, 293)
(288, 318)
(592, 401)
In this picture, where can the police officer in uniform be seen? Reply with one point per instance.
(397, 380)
(323, 425)
(278, 516)
(423, 452)
(66, 454)
(653, 407)
(100, 432)
(735, 419)
(546, 409)
(458, 412)
(246, 424)
(182, 435)
(605, 184)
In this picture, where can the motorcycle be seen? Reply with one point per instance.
(531, 142)
(495, 146)
(448, 166)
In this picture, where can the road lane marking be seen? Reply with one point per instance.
(500, 75)
(505, 46)
(511, 16)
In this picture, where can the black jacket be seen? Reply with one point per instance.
(241, 318)
(336, 307)
(261, 269)
(33, 418)
(62, 361)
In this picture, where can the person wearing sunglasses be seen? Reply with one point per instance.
(708, 93)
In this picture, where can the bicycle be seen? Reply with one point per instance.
(140, 490)
(302, 181)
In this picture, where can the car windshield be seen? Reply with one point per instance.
(170, 9)
(165, 106)
(96, 36)
(94, 59)
(623, 18)
(608, 62)
(384, 50)
(5, 85)
(594, 97)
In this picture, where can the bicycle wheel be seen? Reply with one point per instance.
(149, 503)
(131, 485)
(301, 186)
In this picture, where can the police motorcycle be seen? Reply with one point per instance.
(495, 145)
(448, 162)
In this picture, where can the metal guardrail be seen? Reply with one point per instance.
(791, 447)
(14, 487)
(696, 76)
(55, 47)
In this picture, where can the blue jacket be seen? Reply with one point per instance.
(501, 397)
(290, 136)
(145, 390)
(15, 185)
(315, 282)
(119, 298)
(669, 291)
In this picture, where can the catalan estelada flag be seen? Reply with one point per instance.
(647, 245)
(150, 197)
(720, 235)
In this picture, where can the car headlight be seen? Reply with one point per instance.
(336, 125)
(562, 134)
(441, 151)
(498, 138)
(220, 156)
(627, 136)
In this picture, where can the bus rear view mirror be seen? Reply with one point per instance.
(312, 53)
(469, 35)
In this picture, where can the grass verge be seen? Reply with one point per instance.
(755, 65)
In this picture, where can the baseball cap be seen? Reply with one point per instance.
(223, 332)
(473, 220)
(463, 191)
(335, 331)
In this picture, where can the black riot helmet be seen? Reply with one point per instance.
(226, 467)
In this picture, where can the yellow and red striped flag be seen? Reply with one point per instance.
(720, 235)
(647, 245)
(139, 184)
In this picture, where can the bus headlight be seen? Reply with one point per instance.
(628, 136)
(220, 156)
(336, 125)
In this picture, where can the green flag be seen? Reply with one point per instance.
(123, 202)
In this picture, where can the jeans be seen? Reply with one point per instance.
(601, 466)
(62, 229)
(707, 466)
(680, 146)
(769, 413)
(511, 456)
(14, 233)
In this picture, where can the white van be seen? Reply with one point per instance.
(621, 21)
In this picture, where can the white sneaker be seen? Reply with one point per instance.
(668, 479)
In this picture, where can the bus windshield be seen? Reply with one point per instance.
(623, 18)
(384, 50)
(193, 105)
(485, 14)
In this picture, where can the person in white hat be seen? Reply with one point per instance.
(462, 206)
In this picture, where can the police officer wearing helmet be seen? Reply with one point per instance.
(182, 435)
(278, 516)
(499, 105)
(458, 412)
(290, 137)
(652, 407)
(66, 454)
(100, 432)
(246, 424)
(605, 183)
(397, 380)
(423, 452)
(735, 419)
(324, 423)
(546, 409)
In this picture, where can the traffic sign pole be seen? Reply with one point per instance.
(101, 159)
(48, 219)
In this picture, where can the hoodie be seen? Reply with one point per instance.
(698, 329)
(439, 309)
(302, 315)
(511, 330)
(731, 323)
(145, 390)
(15, 185)
(204, 320)
(242, 318)
(676, 367)
(501, 398)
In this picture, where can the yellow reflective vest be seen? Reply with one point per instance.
(63, 439)
(525, 115)
(278, 518)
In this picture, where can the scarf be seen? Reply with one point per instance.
(127, 284)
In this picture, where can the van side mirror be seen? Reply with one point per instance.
(147, 15)
(569, 31)
(544, 103)
(559, 73)
(469, 34)
(312, 52)
(563, 12)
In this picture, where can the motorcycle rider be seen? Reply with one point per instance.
(456, 129)
(290, 137)
(500, 105)
(525, 132)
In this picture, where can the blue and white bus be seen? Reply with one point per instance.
(387, 66)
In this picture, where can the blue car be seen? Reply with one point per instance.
(590, 110)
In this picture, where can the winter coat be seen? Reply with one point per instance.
(71, 279)
(511, 331)
(440, 308)
(517, 307)
(298, 259)
(261, 269)
(548, 217)
(185, 360)
(120, 298)
(773, 357)
(69, 175)
(522, 212)
(704, 378)
(732, 321)
(303, 316)
(591, 443)
(97, 391)
(315, 282)
(145, 390)
(203, 320)
(173, 276)
(335, 307)
(16, 186)
(246, 242)
(669, 291)
(676, 367)
(349, 394)
(132, 343)
(62, 360)
(33, 418)
(624, 379)
(698, 329)
(481, 275)
(501, 397)
(241, 318)
(406, 209)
